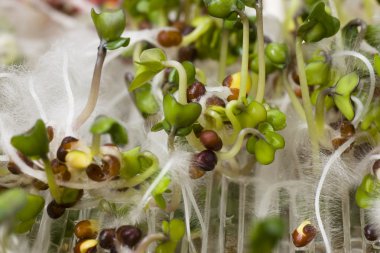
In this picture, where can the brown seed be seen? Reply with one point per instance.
(65, 146)
(95, 172)
(86, 246)
(13, 168)
(205, 160)
(196, 172)
(211, 140)
(39, 185)
(128, 235)
(215, 100)
(235, 92)
(107, 238)
(86, 229)
(54, 210)
(145, 24)
(111, 165)
(60, 170)
(195, 91)
(347, 129)
(337, 142)
(304, 234)
(188, 53)
(169, 38)
(50, 133)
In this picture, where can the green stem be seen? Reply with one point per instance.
(245, 56)
(306, 97)
(136, 53)
(95, 146)
(230, 108)
(53, 187)
(293, 98)
(218, 121)
(136, 180)
(239, 142)
(261, 55)
(320, 111)
(223, 54)
(201, 29)
(171, 138)
(182, 89)
(95, 85)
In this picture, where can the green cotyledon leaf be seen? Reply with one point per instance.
(34, 143)
(179, 115)
(109, 24)
(319, 24)
(108, 125)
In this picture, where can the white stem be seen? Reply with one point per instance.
(187, 210)
(358, 110)
(70, 97)
(37, 100)
(326, 169)
(207, 214)
(371, 75)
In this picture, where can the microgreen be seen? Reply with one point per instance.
(175, 229)
(342, 94)
(318, 25)
(11, 201)
(107, 125)
(266, 234)
(367, 192)
(160, 189)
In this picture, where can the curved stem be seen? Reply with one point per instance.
(239, 142)
(201, 29)
(223, 54)
(144, 244)
(306, 98)
(182, 96)
(95, 145)
(372, 80)
(261, 55)
(95, 85)
(232, 118)
(320, 111)
(216, 117)
(136, 180)
(293, 98)
(245, 58)
(325, 170)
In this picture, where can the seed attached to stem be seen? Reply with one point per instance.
(347, 129)
(54, 210)
(195, 92)
(128, 235)
(50, 133)
(233, 82)
(211, 140)
(86, 246)
(205, 160)
(65, 146)
(169, 38)
(304, 234)
(107, 238)
(86, 229)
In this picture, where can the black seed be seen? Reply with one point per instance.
(128, 235)
(107, 238)
(54, 210)
(195, 91)
(370, 233)
(206, 160)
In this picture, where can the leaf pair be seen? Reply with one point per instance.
(342, 94)
(367, 192)
(107, 125)
(110, 26)
(134, 163)
(178, 117)
(266, 234)
(276, 56)
(160, 189)
(265, 149)
(175, 229)
(318, 25)
(150, 64)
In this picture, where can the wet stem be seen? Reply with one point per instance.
(260, 45)
(95, 84)
(245, 55)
